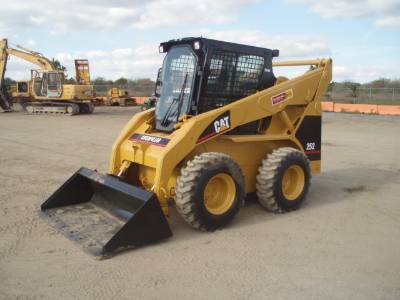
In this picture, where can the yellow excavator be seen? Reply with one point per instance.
(224, 126)
(46, 92)
(119, 97)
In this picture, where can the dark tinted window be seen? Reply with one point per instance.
(232, 76)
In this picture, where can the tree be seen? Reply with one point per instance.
(353, 86)
(330, 86)
(121, 81)
(57, 64)
(102, 81)
(9, 81)
(71, 80)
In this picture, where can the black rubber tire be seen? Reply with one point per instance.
(192, 182)
(269, 179)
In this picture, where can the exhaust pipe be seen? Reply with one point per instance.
(105, 215)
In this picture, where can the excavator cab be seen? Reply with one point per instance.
(47, 84)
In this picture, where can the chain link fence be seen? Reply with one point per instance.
(338, 94)
(362, 95)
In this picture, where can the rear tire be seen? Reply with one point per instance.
(283, 180)
(210, 191)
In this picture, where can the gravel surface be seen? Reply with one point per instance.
(342, 244)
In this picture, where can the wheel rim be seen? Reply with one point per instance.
(219, 194)
(293, 182)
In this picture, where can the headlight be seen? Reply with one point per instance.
(161, 49)
(196, 45)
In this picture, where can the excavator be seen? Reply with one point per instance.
(117, 96)
(46, 92)
(224, 127)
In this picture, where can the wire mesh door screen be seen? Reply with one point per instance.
(182, 68)
(232, 76)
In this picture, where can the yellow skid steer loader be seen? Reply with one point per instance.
(224, 126)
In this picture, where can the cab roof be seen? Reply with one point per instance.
(206, 44)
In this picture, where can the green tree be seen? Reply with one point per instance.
(353, 86)
(379, 83)
(102, 81)
(330, 86)
(58, 65)
(70, 80)
(9, 81)
(121, 81)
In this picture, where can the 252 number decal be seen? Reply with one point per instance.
(310, 146)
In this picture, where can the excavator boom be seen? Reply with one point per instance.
(33, 57)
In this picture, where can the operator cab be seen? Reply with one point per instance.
(47, 83)
(199, 75)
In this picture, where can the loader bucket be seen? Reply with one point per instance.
(104, 215)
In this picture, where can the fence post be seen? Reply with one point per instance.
(370, 95)
(355, 95)
(393, 96)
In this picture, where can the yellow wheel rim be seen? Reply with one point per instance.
(219, 194)
(293, 182)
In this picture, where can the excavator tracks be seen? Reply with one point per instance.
(51, 108)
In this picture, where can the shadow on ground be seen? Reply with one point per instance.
(326, 189)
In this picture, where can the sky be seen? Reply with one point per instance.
(121, 37)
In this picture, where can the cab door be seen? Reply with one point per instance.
(53, 84)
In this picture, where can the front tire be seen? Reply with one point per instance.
(210, 191)
(283, 180)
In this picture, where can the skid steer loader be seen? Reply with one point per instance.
(224, 126)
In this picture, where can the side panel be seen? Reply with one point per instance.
(309, 135)
(218, 126)
(72, 92)
(77, 92)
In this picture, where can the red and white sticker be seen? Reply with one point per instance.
(149, 139)
(282, 97)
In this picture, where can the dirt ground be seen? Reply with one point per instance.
(344, 243)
